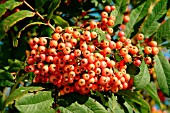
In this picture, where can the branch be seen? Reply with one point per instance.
(47, 22)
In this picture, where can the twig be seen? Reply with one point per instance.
(47, 22)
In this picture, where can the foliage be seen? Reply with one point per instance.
(22, 21)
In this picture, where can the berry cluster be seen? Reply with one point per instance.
(76, 60)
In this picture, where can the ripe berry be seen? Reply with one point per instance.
(42, 41)
(107, 8)
(93, 24)
(155, 50)
(56, 36)
(126, 18)
(119, 45)
(148, 50)
(69, 30)
(153, 44)
(58, 29)
(112, 7)
(110, 22)
(104, 14)
(139, 36)
(137, 62)
(148, 60)
(85, 76)
(61, 46)
(121, 33)
(81, 82)
(123, 51)
(45, 69)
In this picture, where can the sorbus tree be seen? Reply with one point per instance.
(83, 55)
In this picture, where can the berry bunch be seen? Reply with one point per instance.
(76, 60)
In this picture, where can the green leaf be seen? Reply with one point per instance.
(151, 25)
(6, 83)
(15, 42)
(77, 108)
(99, 94)
(101, 34)
(60, 21)
(120, 9)
(95, 2)
(13, 19)
(143, 78)
(129, 108)
(90, 106)
(162, 69)
(163, 32)
(121, 5)
(15, 66)
(136, 100)
(95, 106)
(114, 105)
(20, 92)
(6, 79)
(53, 6)
(7, 76)
(63, 110)
(35, 103)
(152, 90)
(30, 24)
(8, 5)
(135, 16)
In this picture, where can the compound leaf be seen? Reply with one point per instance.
(163, 32)
(143, 78)
(95, 106)
(8, 5)
(136, 100)
(162, 69)
(13, 19)
(35, 103)
(151, 24)
(152, 90)
(60, 21)
(135, 16)
(53, 6)
(20, 92)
